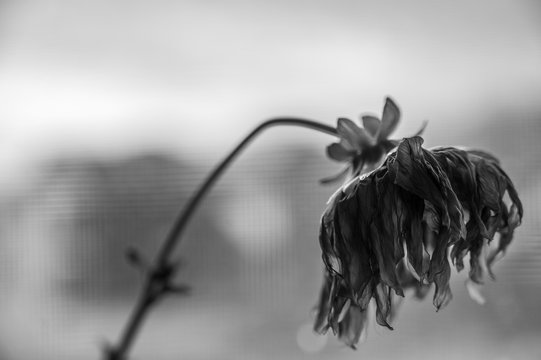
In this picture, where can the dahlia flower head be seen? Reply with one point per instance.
(401, 226)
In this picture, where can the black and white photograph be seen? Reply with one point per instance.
(270, 180)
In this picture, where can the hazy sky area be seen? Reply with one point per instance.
(111, 77)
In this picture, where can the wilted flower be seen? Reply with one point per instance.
(367, 145)
(394, 228)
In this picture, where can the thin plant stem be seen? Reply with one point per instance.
(156, 283)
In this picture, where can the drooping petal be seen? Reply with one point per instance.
(357, 137)
(512, 219)
(464, 245)
(463, 178)
(325, 304)
(371, 124)
(412, 231)
(384, 231)
(356, 272)
(382, 295)
(352, 326)
(409, 281)
(478, 260)
(389, 119)
(491, 185)
(418, 172)
(414, 176)
(475, 292)
(440, 271)
(340, 307)
(386, 265)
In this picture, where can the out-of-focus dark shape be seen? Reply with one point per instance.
(106, 207)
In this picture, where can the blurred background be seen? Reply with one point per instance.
(112, 112)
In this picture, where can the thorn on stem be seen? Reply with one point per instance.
(165, 273)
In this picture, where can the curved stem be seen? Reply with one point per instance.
(148, 295)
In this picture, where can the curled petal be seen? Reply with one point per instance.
(440, 271)
(382, 295)
(340, 308)
(412, 232)
(352, 326)
(506, 234)
(325, 304)
(382, 248)
(478, 260)
(409, 281)
(491, 185)
(418, 171)
(474, 290)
